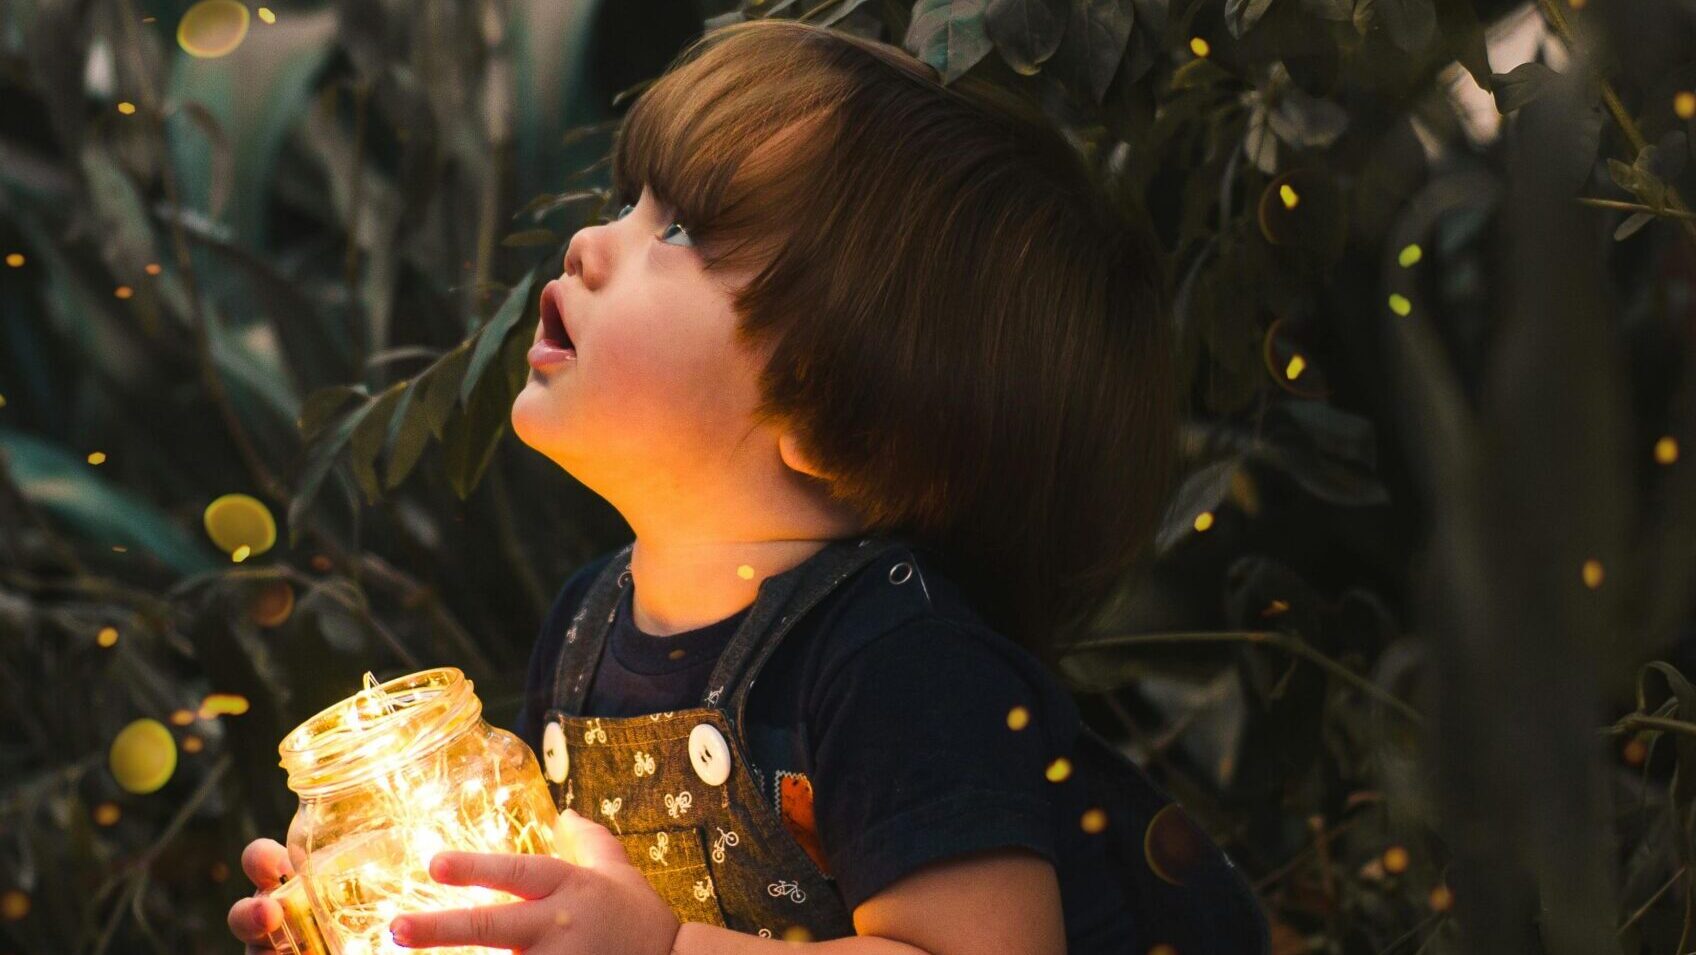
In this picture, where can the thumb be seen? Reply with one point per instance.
(583, 842)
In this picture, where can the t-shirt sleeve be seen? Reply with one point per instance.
(915, 759)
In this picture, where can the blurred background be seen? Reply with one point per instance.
(1416, 647)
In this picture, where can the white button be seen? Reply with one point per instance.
(710, 754)
(554, 760)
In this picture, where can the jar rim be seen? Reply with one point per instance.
(338, 745)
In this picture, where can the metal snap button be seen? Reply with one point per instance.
(624, 576)
(900, 573)
(555, 761)
(709, 754)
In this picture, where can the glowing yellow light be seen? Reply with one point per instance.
(126, 107)
(14, 905)
(234, 520)
(1684, 104)
(745, 572)
(1666, 450)
(123, 291)
(1198, 46)
(97, 457)
(106, 814)
(273, 604)
(266, 15)
(1287, 193)
(797, 934)
(1296, 366)
(1204, 520)
(182, 717)
(1275, 608)
(241, 553)
(1410, 255)
(1592, 573)
(193, 744)
(1059, 770)
(15, 259)
(120, 549)
(143, 756)
(1636, 752)
(1441, 898)
(1018, 718)
(223, 704)
(2, 401)
(1093, 821)
(108, 636)
(152, 268)
(1399, 303)
(1395, 860)
(212, 28)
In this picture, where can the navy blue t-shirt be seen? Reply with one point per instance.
(904, 742)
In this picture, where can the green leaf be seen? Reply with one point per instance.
(1463, 35)
(473, 436)
(1409, 24)
(1026, 32)
(1203, 490)
(530, 237)
(408, 433)
(367, 439)
(493, 334)
(1520, 85)
(950, 35)
(442, 387)
(1094, 46)
(1242, 15)
(96, 510)
(320, 407)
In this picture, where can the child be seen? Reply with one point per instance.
(884, 390)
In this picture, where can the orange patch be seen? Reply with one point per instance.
(795, 803)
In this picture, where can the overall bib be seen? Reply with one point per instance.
(678, 788)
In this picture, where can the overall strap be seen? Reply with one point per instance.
(587, 633)
(782, 600)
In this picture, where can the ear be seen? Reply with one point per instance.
(789, 448)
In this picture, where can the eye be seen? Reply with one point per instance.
(684, 232)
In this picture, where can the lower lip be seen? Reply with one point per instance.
(546, 354)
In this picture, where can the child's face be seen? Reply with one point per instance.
(660, 395)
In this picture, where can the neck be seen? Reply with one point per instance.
(687, 584)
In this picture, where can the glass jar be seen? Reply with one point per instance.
(387, 778)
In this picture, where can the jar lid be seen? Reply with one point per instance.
(377, 729)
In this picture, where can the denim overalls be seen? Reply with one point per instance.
(695, 817)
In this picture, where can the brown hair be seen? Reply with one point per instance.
(963, 329)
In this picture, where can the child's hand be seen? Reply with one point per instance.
(595, 904)
(264, 860)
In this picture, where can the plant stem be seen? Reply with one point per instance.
(1636, 207)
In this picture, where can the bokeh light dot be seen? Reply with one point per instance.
(108, 636)
(266, 15)
(1093, 821)
(152, 268)
(14, 905)
(1204, 520)
(1399, 304)
(106, 814)
(1410, 255)
(1442, 898)
(15, 259)
(1636, 752)
(1684, 104)
(1059, 771)
(1297, 365)
(97, 457)
(1287, 195)
(1395, 860)
(1592, 573)
(1018, 718)
(212, 28)
(237, 520)
(182, 717)
(223, 704)
(193, 744)
(745, 572)
(1666, 450)
(1199, 46)
(796, 934)
(123, 291)
(143, 756)
(241, 553)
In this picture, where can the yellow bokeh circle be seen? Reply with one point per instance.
(235, 521)
(143, 756)
(212, 28)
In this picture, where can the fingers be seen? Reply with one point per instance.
(524, 875)
(264, 860)
(251, 918)
(515, 925)
(589, 843)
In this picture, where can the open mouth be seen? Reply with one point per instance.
(553, 325)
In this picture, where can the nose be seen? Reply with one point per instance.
(585, 255)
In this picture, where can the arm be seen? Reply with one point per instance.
(998, 901)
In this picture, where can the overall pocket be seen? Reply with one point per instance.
(674, 863)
